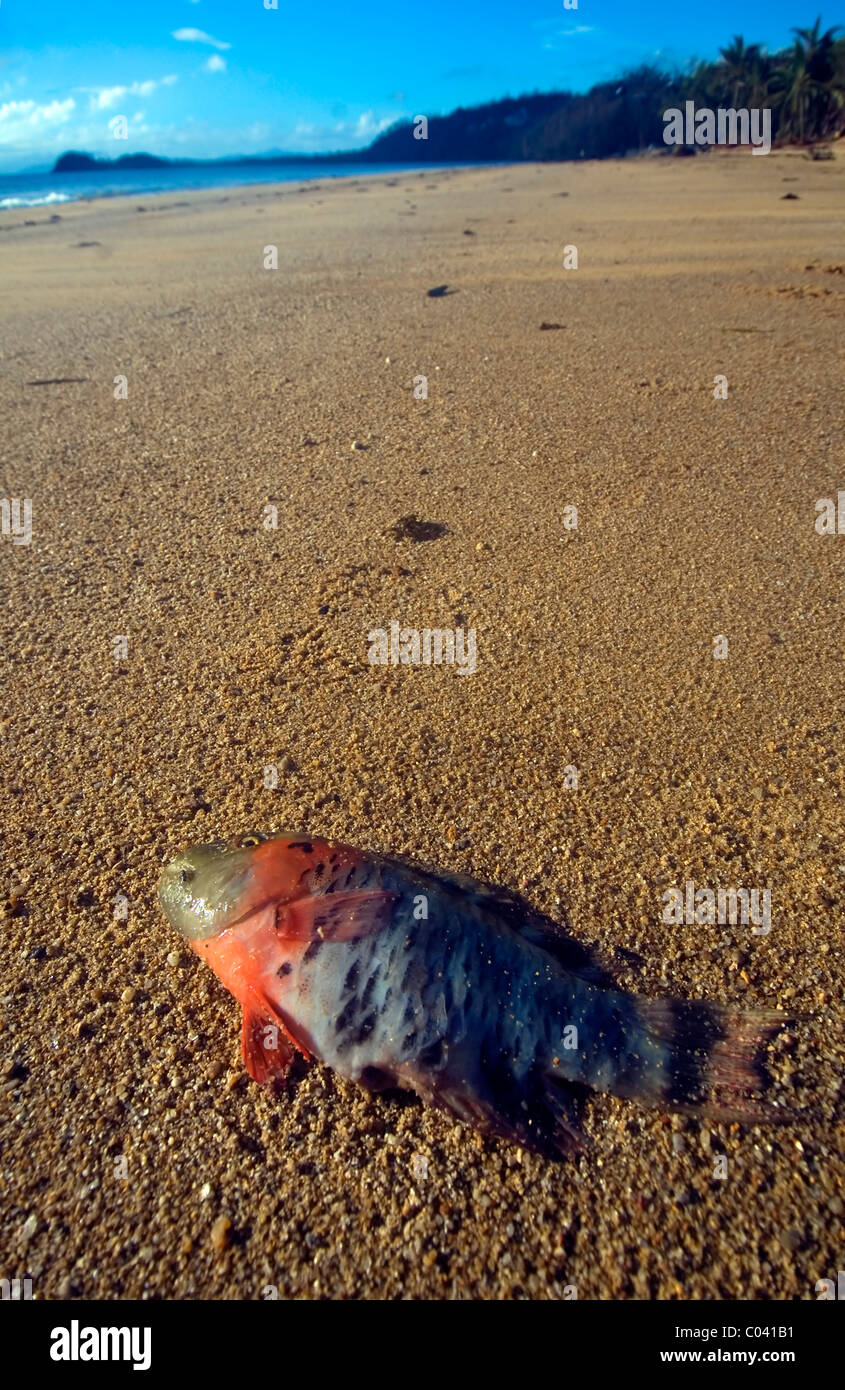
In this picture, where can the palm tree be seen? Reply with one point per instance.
(809, 88)
(760, 80)
(817, 49)
(838, 80)
(738, 61)
(814, 93)
(797, 97)
(701, 83)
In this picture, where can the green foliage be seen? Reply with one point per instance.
(803, 86)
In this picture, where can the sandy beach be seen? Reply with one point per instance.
(138, 1160)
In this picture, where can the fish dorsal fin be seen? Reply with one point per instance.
(505, 905)
(483, 894)
(571, 954)
(335, 916)
(513, 911)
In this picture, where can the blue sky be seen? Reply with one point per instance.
(214, 77)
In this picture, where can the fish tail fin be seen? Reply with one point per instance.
(712, 1059)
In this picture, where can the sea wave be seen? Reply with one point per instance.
(33, 200)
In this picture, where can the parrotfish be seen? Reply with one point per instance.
(397, 977)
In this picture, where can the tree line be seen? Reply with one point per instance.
(803, 86)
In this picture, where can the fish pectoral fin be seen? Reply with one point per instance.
(266, 1045)
(335, 916)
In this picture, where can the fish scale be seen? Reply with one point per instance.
(461, 992)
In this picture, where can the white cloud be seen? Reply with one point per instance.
(103, 98)
(30, 132)
(552, 23)
(215, 64)
(30, 113)
(198, 36)
(570, 33)
(28, 125)
(574, 31)
(367, 127)
(308, 137)
(106, 97)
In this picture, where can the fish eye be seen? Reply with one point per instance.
(247, 841)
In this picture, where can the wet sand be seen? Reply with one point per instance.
(137, 1158)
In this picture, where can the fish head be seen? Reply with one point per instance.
(210, 888)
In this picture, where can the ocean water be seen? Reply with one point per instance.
(38, 190)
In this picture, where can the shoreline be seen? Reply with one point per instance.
(354, 171)
(363, 169)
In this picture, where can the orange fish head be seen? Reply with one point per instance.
(210, 888)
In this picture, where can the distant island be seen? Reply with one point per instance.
(803, 87)
(74, 162)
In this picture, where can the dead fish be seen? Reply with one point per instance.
(398, 977)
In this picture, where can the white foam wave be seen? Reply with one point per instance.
(33, 200)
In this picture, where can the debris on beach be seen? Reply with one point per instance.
(459, 991)
(410, 528)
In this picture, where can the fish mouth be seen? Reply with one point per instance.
(206, 889)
